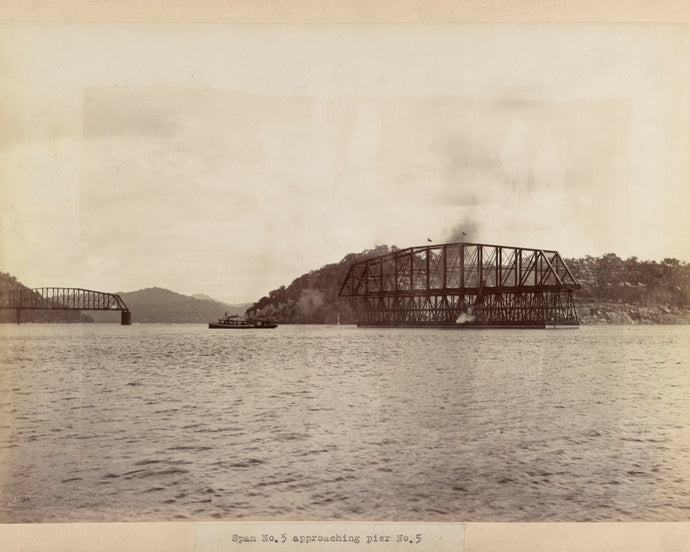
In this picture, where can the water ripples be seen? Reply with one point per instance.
(158, 422)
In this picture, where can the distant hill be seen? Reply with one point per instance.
(205, 297)
(614, 291)
(158, 305)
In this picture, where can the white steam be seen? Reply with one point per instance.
(465, 317)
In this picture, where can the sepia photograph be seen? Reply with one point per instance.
(432, 273)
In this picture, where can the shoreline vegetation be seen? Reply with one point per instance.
(613, 291)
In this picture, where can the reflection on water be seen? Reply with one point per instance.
(175, 422)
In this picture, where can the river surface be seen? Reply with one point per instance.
(102, 422)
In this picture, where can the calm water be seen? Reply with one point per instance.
(178, 422)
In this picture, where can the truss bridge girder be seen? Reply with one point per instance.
(54, 298)
(58, 298)
(463, 284)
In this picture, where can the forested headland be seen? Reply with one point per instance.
(614, 291)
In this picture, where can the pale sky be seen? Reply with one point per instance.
(230, 159)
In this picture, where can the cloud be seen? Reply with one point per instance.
(492, 166)
(243, 159)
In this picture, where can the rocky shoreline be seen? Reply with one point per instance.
(597, 313)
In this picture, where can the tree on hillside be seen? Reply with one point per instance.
(313, 297)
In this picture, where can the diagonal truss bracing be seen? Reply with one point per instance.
(55, 298)
(463, 284)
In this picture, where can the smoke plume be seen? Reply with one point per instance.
(466, 231)
(310, 301)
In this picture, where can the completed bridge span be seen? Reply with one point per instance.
(59, 298)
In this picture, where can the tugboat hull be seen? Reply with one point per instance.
(232, 323)
(264, 326)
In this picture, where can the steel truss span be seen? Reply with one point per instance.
(463, 285)
(55, 298)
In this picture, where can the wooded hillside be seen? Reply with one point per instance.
(613, 291)
(631, 291)
(313, 297)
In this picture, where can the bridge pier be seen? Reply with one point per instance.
(126, 318)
